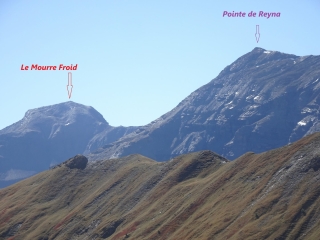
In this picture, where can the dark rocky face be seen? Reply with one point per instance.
(264, 100)
(77, 162)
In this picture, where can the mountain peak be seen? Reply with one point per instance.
(63, 108)
(257, 57)
(258, 49)
(46, 136)
(234, 113)
(64, 113)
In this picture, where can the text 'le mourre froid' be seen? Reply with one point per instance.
(53, 68)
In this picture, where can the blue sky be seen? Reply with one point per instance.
(136, 59)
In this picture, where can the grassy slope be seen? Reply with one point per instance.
(273, 195)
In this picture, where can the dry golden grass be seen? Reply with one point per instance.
(272, 195)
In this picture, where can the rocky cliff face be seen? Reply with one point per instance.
(47, 136)
(265, 99)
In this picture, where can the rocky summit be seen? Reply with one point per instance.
(48, 135)
(263, 100)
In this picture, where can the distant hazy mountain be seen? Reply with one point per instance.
(264, 100)
(201, 195)
(49, 135)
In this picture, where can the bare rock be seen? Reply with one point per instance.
(79, 161)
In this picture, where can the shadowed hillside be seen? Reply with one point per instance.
(272, 195)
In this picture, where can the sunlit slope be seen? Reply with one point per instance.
(272, 195)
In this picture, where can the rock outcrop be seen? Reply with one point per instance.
(79, 162)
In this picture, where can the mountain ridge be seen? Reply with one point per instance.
(200, 195)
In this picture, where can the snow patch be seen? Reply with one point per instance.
(253, 107)
(306, 110)
(249, 97)
(302, 123)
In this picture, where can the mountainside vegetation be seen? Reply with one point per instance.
(200, 195)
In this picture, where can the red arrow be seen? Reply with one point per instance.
(69, 86)
(257, 33)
